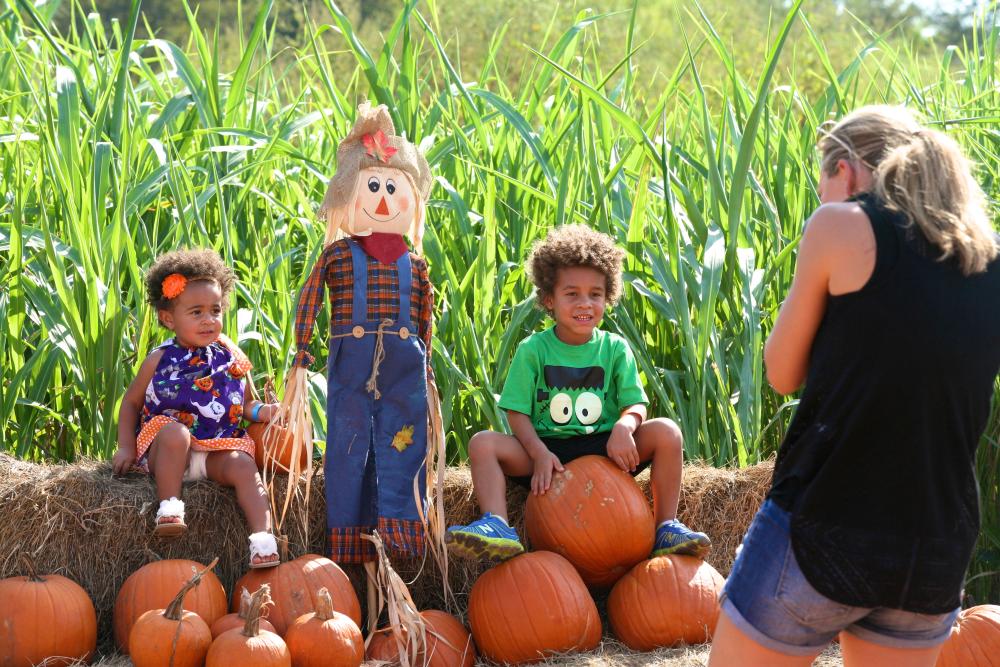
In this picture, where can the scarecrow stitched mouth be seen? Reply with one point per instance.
(380, 219)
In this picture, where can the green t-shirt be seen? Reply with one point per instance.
(570, 390)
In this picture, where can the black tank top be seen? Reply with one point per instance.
(878, 466)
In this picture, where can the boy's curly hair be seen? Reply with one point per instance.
(199, 264)
(575, 245)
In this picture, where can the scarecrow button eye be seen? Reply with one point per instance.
(390, 186)
(373, 184)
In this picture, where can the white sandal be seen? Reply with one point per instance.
(171, 508)
(263, 544)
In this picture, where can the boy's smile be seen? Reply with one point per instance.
(577, 303)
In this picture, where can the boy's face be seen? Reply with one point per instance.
(196, 316)
(577, 303)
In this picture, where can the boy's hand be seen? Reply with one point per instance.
(622, 449)
(541, 479)
(122, 461)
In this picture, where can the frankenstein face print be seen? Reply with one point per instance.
(573, 396)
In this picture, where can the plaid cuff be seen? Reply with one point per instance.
(303, 359)
(347, 546)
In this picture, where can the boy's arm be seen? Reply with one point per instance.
(632, 416)
(129, 412)
(545, 462)
(525, 433)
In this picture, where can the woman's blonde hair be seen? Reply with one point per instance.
(921, 173)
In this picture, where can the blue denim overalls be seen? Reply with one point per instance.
(376, 426)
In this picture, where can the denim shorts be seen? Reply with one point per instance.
(769, 599)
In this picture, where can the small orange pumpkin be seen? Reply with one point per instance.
(531, 606)
(449, 644)
(596, 516)
(664, 601)
(239, 618)
(274, 448)
(250, 646)
(974, 640)
(325, 637)
(171, 637)
(31, 607)
(293, 586)
(155, 584)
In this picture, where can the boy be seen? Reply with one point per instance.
(573, 390)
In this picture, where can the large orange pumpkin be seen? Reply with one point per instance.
(250, 646)
(325, 637)
(154, 585)
(32, 607)
(449, 644)
(531, 606)
(294, 585)
(274, 448)
(596, 516)
(171, 637)
(664, 601)
(239, 618)
(974, 640)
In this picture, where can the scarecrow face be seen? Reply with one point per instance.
(385, 202)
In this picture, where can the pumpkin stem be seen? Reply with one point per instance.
(324, 605)
(175, 608)
(283, 548)
(244, 603)
(29, 565)
(254, 610)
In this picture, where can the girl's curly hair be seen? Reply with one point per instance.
(199, 264)
(575, 245)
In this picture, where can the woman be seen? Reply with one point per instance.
(892, 322)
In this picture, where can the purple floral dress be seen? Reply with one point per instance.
(201, 388)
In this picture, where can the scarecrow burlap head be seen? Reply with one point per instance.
(373, 143)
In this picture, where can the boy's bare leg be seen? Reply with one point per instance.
(492, 456)
(661, 440)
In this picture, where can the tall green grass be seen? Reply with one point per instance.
(114, 149)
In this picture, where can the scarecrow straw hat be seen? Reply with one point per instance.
(373, 142)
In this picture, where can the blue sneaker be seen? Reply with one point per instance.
(487, 537)
(673, 537)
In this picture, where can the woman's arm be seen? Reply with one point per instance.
(786, 353)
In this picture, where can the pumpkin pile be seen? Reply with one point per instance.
(171, 637)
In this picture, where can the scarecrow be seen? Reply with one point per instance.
(381, 303)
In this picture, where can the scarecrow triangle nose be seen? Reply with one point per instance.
(383, 208)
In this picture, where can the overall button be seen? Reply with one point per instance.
(358, 331)
(404, 333)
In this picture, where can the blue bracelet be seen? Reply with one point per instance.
(255, 412)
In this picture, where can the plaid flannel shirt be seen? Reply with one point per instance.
(334, 272)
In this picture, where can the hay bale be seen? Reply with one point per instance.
(79, 521)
